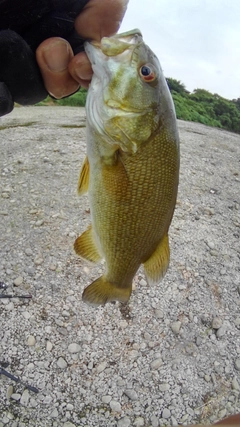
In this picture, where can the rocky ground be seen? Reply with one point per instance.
(173, 355)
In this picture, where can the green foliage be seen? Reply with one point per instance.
(176, 86)
(204, 107)
(78, 99)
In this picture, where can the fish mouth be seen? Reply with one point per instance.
(117, 44)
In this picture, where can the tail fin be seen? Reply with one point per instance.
(101, 291)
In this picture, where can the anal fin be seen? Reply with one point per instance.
(102, 291)
(83, 180)
(86, 248)
(156, 266)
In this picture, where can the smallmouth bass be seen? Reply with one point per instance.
(131, 170)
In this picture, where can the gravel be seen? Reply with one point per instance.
(172, 355)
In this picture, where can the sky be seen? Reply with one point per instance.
(196, 41)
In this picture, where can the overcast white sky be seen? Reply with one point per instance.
(196, 41)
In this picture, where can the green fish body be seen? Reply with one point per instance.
(132, 166)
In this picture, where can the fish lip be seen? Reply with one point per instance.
(127, 40)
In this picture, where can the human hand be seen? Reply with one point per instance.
(63, 72)
(61, 60)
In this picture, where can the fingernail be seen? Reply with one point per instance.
(57, 56)
(83, 71)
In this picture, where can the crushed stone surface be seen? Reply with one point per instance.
(172, 355)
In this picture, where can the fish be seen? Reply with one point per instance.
(131, 170)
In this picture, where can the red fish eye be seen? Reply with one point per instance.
(147, 73)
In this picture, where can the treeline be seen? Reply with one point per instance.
(204, 107)
(199, 106)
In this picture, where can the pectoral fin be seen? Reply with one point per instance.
(156, 266)
(86, 248)
(102, 291)
(83, 181)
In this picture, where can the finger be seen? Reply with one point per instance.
(100, 18)
(53, 57)
(80, 69)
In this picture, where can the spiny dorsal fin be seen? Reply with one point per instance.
(86, 248)
(102, 291)
(156, 266)
(83, 181)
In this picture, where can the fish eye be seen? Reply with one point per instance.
(147, 72)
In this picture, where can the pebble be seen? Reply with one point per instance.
(156, 363)
(69, 407)
(68, 424)
(38, 261)
(115, 406)
(18, 281)
(164, 387)
(61, 362)
(166, 413)
(49, 346)
(235, 384)
(175, 326)
(72, 234)
(28, 251)
(221, 331)
(237, 364)
(190, 411)
(133, 354)
(131, 394)
(198, 341)
(9, 306)
(222, 413)
(159, 314)
(25, 398)
(16, 396)
(173, 421)
(216, 323)
(139, 422)
(106, 399)
(101, 367)
(9, 392)
(213, 252)
(74, 348)
(154, 421)
(54, 413)
(47, 400)
(30, 271)
(26, 315)
(211, 244)
(124, 422)
(31, 340)
(237, 322)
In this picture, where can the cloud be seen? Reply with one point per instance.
(196, 42)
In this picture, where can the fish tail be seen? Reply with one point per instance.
(102, 291)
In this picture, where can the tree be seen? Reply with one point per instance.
(176, 86)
